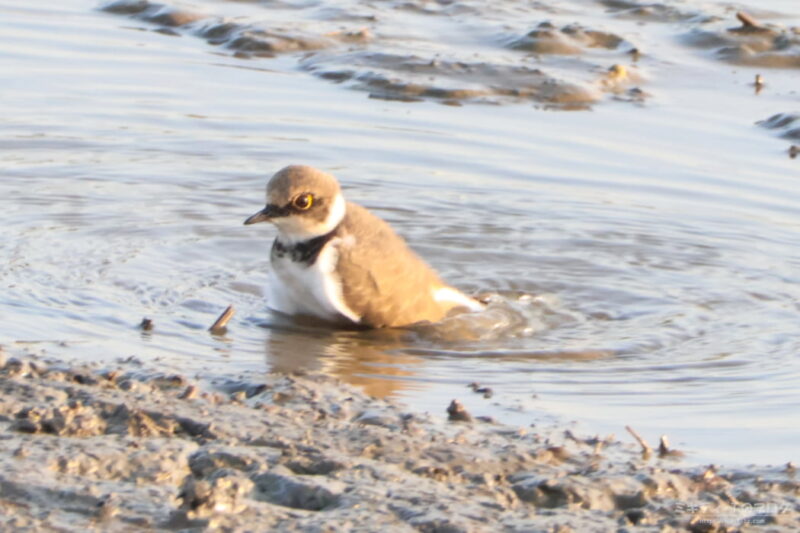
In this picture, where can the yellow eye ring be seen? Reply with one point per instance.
(303, 201)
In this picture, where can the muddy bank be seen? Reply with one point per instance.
(387, 51)
(120, 446)
(454, 82)
(456, 53)
(572, 39)
(787, 125)
(244, 40)
(652, 11)
(752, 43)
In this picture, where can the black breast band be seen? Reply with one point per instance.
(302, 252)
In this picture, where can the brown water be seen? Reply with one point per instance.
(642, 252)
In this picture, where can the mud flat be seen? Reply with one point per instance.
(752, 43)
(120, 447)
(364, 50)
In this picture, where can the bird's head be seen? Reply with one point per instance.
(302, 202)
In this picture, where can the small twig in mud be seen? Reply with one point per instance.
(218, 327)
(748, 21)
(663, 446)
(759, 83)
(646, 449)
(664, 449)
(597, 443)
(457, 413)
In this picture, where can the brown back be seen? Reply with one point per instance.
(383, 280)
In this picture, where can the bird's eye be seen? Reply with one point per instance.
(303, 201)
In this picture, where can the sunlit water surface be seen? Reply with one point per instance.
(643, 260)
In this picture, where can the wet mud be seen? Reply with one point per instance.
(546, 38)
(119, 447)
(559, 65)
(244, 40)
(752, 43)
(363, 53)
(455, 81)
(652, 11)
(787, 125)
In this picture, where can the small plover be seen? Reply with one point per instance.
(334, 260)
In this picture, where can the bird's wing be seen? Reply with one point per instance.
(383, 280)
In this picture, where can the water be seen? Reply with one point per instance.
(643, 256)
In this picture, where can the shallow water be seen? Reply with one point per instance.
(643, 253)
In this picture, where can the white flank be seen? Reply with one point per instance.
(310, 290)
(449, 294)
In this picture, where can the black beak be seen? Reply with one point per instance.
(270, 211)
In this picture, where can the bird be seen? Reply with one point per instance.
(335, 261)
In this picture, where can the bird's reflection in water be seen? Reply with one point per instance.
(384, 362)
(368, 359)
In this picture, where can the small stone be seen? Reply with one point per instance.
(17, 367)
(190, 393)
(486, 391)
(25, 426)
(21, 453)
(106, 509)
